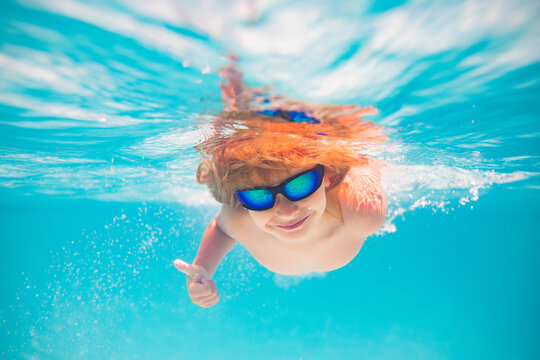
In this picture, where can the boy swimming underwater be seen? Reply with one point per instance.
(294, 190)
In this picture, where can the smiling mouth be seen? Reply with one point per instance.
(293, 225)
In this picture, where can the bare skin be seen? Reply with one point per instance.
(322, 232)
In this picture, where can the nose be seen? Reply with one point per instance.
(284, 207)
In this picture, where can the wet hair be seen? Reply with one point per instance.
(249, 148)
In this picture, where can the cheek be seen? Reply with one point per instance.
(317, 201)
(260, 218)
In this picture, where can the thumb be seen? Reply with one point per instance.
(193, 272)
(184, 267)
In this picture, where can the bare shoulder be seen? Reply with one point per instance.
(362, 197)
(232, 221)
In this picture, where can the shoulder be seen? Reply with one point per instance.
(232, 220)
(362, 197)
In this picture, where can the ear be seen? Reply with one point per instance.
(326, 181)
(203, 172)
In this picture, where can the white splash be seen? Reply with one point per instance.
(411, 187)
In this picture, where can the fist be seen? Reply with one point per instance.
(202, 291)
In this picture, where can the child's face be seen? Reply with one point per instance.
(292, 221)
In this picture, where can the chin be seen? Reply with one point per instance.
(290, 238)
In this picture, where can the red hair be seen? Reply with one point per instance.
(249, 149)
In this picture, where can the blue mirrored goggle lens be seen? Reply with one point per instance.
(295, 189)
(256, 199)
(304, 185)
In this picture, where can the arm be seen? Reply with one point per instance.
(215, 244)
(362, 196)
(234, 94)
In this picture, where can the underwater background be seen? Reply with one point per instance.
(101, 103)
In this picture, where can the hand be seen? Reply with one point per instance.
(202, 291)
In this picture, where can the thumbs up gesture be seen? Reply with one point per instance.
(202, 291)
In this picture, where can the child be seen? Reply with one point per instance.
(295, 191)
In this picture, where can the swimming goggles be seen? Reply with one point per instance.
(292, 116)
(294, 188)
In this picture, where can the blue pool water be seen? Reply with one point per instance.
(100, 108)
